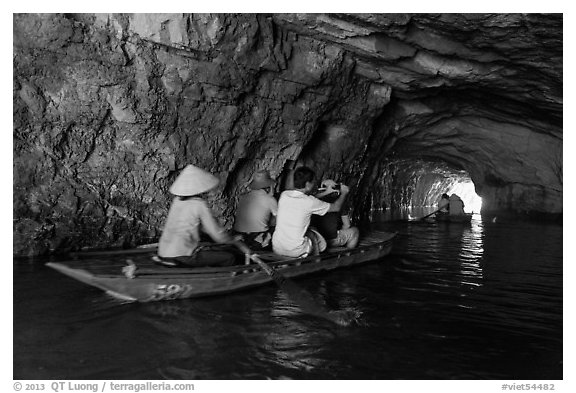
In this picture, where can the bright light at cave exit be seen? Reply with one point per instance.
(466, 191)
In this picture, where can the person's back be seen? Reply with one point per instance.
(292, 236)
(443, 204)
(328, 224)
(295, 209)
(188, 214)
(456, 206)
(256, 208)
(256, 211)
(181, 233)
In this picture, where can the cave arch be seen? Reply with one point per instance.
(514, 162)
(409, 186)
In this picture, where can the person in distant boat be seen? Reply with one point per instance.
(335, 227)
(292, 236)
(188, 214)
(456, 205)
(256, 212)
(443, 204)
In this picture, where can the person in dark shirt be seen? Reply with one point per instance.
(443, 204)
(456, 206)
(335, 227)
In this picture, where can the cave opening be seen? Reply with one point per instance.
(466, 190)
(411, 188)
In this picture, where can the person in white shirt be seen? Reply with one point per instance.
(292, 236)
(256, 212)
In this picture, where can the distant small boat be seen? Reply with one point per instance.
(463, 218)
(142, 280)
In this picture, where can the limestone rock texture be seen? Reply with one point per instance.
(108, 108)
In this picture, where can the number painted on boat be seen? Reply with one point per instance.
(168, 292)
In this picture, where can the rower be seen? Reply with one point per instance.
(179, 243)
(443, 204)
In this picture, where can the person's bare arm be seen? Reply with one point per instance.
(337, 205)
(213, 229)
(346, 223)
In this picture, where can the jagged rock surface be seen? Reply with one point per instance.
(109, 107)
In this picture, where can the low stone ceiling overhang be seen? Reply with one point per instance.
(516, 58)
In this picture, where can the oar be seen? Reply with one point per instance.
(147, 248)
(299, 295)
(428, 215)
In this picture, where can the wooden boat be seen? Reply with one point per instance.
(464, 218)
(138, 278)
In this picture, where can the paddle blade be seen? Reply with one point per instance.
(298, 294)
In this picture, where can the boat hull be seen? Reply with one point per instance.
(154, 283)
(454, 218)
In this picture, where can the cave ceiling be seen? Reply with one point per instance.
(504, 65)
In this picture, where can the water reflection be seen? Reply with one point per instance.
(447, 257)
(205, 334)
(295, 342)
(471, 253)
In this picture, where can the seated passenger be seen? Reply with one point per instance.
(335, 227)
(256, 212)
(443, 204)
(456, 206)
(292, 236)
(188, 214)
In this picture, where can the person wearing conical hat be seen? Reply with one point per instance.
(256, 212)
(188, 215)
(335, 227)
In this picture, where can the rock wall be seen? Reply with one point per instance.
(109, 107)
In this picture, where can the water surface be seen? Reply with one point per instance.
(452, 301)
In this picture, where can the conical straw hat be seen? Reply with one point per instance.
(193, 181)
